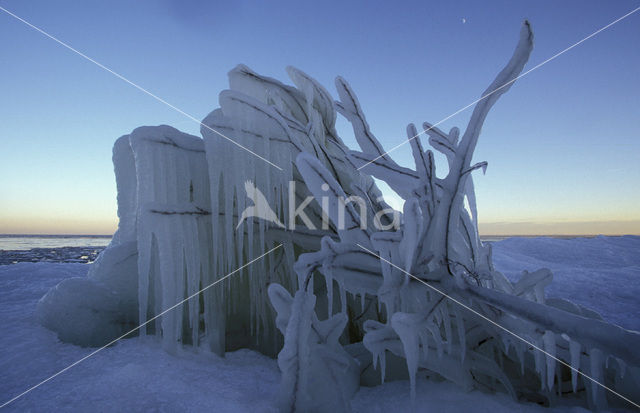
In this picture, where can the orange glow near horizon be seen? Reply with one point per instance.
(56, 226)
(578, 228)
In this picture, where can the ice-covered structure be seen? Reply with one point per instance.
(180, 199)
(421, 298)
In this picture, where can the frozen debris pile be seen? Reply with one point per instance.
(418, 277)
(347, 295)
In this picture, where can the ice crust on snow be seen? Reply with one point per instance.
(145, 377)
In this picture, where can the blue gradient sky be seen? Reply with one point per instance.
(562, 144)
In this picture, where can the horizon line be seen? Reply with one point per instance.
(481, 235)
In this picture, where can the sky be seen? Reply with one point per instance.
(562, 145)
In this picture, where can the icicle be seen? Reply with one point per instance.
(538, 358)
(596, 371)
(574, 350)
(621, 367)
(343, 296)
(446, 319)
(462, 334)
(520, 353)
(404, 325)
(383, 365)
(549, 339)
(289, 256)
(437, 338)
(424, 339)
(144, 264)
(506, 342)
(437, 317)
(328, 277)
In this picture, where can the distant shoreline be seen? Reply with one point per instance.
(16, 248)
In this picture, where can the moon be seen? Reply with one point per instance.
(464, 20)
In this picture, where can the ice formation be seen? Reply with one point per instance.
(182, 203)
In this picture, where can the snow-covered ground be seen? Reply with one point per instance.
(602, 273)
